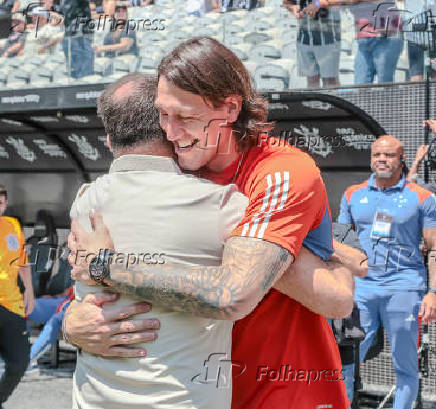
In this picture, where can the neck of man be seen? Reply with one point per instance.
(227, 153)
(154, 148)
(384, 183)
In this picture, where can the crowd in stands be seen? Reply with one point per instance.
(284, 42)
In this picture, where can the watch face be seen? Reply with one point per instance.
(97, 272)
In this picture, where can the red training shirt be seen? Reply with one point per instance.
(284, 356)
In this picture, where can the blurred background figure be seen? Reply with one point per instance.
(14, 342)
(378, 32)
(415, 51)
(120, 40)
(198, 8)
(391, 217)
(14, 45)
(77, 37)
(9, 6)
(50, 312)
(42, 37)
(318, 42)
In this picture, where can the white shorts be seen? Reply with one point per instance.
(318, 60)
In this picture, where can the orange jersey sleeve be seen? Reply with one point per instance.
(287, 200)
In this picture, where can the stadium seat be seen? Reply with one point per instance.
(204, 22)
(153, 36)
(242, 55)
(125, 63)
(232, 39)
(92, 79)
(346, 64)
(256, 38)
(270, 84)
(251, 66)
(281, 12)
(289, 35)
(289, 50)
(41, 75)
(15, 62)
(262, 52)
(286, 24)
(37, 61)
(61, 78)
(206, 32)
(228, 18)
(58, 58)
(151, 49)
(264, 25)
(276, 70)
(103, 66)
(41, 248)
(3, 77)
(232, 29)
(177, 36)
(147, 64)
(19, 75)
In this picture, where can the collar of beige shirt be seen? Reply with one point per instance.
(128, 163)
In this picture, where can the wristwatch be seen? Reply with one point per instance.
(99, 266)
(432, 290)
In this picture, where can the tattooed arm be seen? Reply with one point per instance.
(250, 267)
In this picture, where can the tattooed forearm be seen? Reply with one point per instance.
(230, 291)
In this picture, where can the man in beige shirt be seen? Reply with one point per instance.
(157, 214)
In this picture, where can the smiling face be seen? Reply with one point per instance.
(386, 156)
(196, 129)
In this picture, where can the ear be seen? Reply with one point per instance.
(233, 106)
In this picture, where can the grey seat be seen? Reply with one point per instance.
(289, 50)
(286, 23)
(242, 55)
(231, 29)
(262, 52)
(37, 61)
(270, 84)
(103, 66)
(259, 26)
(125, 64)
(272, 71)
(19, 76)
(41, 75)
(150, 49)
(147, 64)
(256, 38)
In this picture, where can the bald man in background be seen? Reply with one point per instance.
(391, 216)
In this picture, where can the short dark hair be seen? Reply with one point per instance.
(205, 67)
(133, 119)
(3, 191)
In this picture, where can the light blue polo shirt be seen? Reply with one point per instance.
(389, 224)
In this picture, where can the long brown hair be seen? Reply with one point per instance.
(205, 67)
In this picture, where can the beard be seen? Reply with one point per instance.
(385, 174)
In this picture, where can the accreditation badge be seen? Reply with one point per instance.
(381, 226)
(12, 242)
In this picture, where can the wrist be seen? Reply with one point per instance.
(64, 332)
(99, 266)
